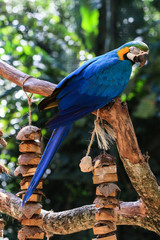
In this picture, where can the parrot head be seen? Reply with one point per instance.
(134, 51)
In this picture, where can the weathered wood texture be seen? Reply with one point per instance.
(136, 165)
(32, 85)
(78, 219)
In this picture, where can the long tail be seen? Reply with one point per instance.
(55, 141)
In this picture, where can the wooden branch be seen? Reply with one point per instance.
(135, 163)
(9, 204)
(78, 219)
(117, 116)
(28, 83)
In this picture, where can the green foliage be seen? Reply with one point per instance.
(89, 19)
(49, 39)
(89, 24)
(146, 108)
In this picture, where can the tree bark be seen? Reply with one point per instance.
(135, 164)
(25, 81)
(78, 219)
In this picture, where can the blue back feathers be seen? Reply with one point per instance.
(88, 88)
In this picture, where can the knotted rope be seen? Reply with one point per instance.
(29, 98)
(104, 134)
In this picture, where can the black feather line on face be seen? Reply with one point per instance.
(126, 58)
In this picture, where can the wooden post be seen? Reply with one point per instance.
(30, 149)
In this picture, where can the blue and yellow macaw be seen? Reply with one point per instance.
(90, 87)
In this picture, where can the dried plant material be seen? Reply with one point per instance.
(102, 230)
(29, 158)
(109, 189)
(21, 170)
(20, 193)
(26, 185)
(24, 180)
(104, 159)
(110, 224)
(35, 221)
(29, 209)
(38, 212)
(35, 192)
(29, 133)
(109, 202)
(3, 169)
(30, 172)
(105, 214)
(86, 164)
(110, 177)
(111, 132)
(96, 163)
(3, 142)
(34, 198)
(30, 233)
(1, 132)
(30, 146)
(103, 138)
(104, 170)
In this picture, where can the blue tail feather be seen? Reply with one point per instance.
(65, 117)
(55, 141)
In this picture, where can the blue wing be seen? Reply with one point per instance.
(91, 89)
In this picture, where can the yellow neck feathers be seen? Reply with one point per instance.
(122, 51)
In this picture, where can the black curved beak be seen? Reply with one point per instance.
(141, 59)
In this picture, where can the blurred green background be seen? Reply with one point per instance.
(49, 39)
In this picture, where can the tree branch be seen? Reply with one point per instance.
(135, 163)
(32, 85)
(118, 117)
(78, 219)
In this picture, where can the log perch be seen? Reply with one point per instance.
(32, 85)
(78, 219)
